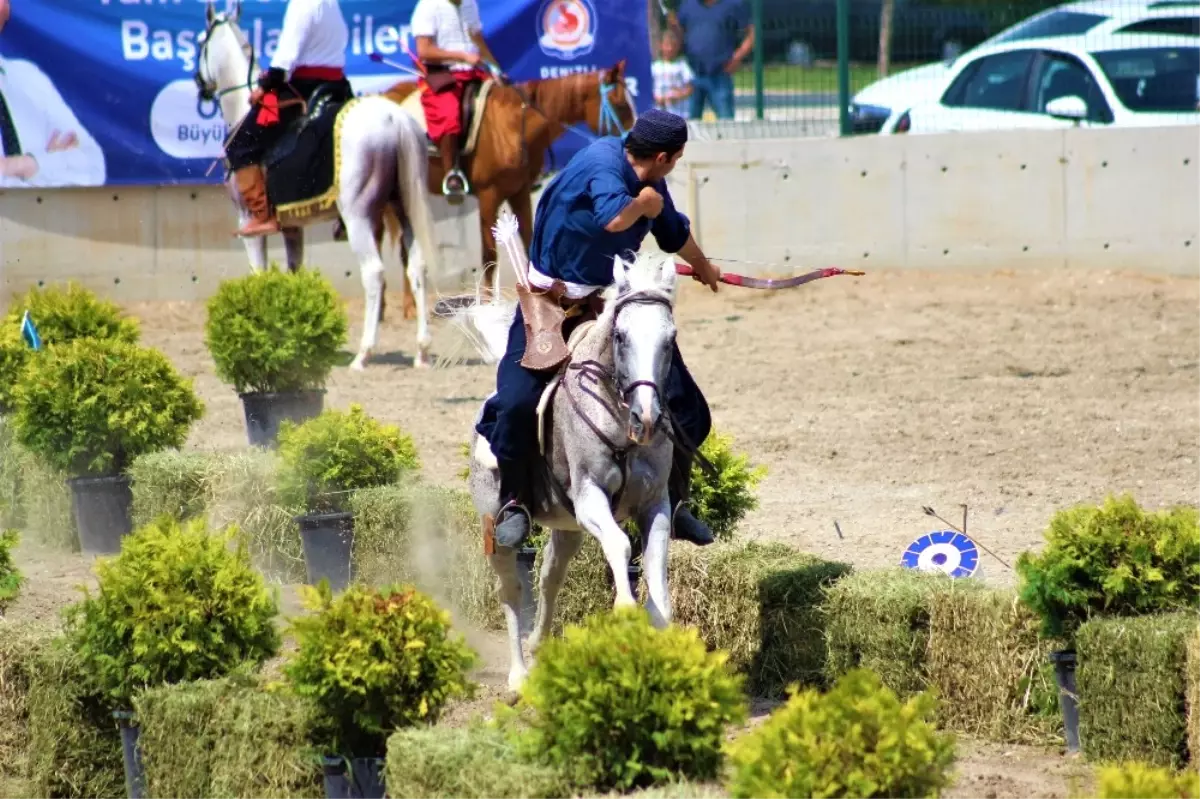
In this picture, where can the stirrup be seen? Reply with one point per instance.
(455, 197)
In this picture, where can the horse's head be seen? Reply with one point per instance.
(221, 40)
(641, 302)
(609, 110)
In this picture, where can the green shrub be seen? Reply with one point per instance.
(275, 331)
(10, 576)
(1115, 560)
(329, 456)
(1140, 781)
(858, 740)
(61, 314)
(723, 499)
(615, 703)
(374, 661)
(177, 604)
(91, 406)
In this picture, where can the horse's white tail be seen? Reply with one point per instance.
(412, 173)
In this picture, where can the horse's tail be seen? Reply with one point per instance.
(412, 174)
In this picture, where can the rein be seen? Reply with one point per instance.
(608, 119)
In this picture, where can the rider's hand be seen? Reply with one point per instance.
(651, 202)
(709, 274)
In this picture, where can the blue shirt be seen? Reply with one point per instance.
(711, 33)
(569, 240)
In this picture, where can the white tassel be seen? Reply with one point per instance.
(507, 233)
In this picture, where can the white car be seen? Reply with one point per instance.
(1093, 80)
(878, 107)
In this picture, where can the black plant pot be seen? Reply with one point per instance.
(1068, 699)
(328, 541)
(358, 778)
(131, 754)
(265, 411)
(102, 507)
(526, 557)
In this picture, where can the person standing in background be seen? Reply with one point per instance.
(42, 143)
(672, 77)
(710, 31)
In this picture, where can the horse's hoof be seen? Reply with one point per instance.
(359, 364)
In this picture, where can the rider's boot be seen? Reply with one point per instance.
(684, 525)
(513, 522)
(454, 184)
(252, 185)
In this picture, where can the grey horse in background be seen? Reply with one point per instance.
(604, 463)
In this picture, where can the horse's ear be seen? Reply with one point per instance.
(620, 274)
(617, 73)
(210, 13)
(235, 10)
(668, 277)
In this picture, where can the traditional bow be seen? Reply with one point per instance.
(772, 283)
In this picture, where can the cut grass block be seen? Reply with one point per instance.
(34, 497)
(172, 483)
(879, 620)
(21, 647)
(989, 666)
(1192, 680)
(1131, 682)
(230, 737)
(428, 536)
(475, 762)
(760, 603)
(74, 745)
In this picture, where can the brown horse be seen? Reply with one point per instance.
(520, 122)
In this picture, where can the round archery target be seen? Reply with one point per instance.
(946, 551)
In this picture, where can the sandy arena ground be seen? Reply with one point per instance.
(866, 398)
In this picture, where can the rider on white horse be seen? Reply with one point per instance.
(604, 203)
(311, 53)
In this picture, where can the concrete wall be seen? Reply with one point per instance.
(1119, 199)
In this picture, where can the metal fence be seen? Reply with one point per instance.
(811, 58)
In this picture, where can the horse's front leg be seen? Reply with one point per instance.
(558, 553)
(504, 563)
(655, 521)
(594, 514)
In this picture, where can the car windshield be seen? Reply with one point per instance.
(1151, 79)
(1054, 23)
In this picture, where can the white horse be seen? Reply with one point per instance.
(382, 177)
(607, 445)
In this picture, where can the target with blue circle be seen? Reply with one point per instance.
(947, 551)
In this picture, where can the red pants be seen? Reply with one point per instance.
(443, 110)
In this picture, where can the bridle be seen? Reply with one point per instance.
(213, 94)
(593, 376)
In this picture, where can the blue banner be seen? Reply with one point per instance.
(101, 92)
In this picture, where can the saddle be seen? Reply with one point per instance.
(301, 166)
(474, 100)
